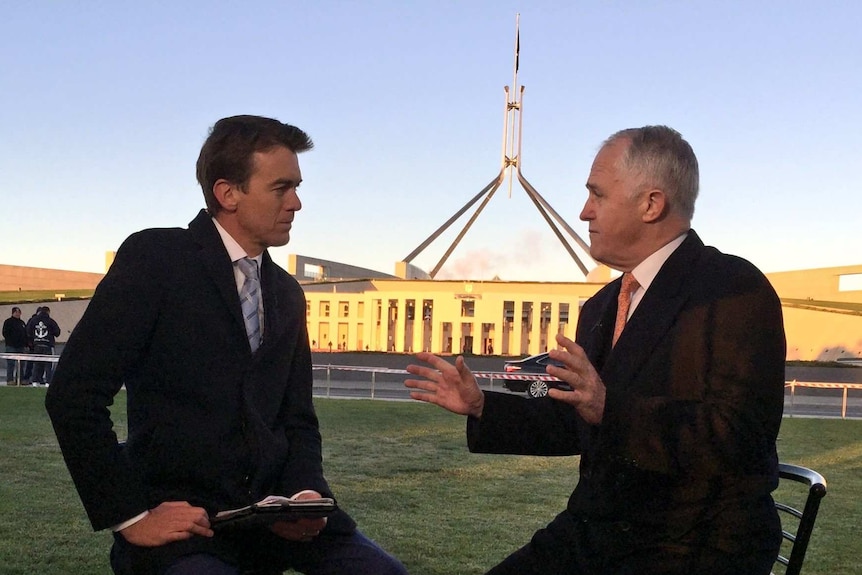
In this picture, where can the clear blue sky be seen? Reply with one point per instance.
(104, 106)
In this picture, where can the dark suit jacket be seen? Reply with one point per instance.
(685, 453)
(208, 422)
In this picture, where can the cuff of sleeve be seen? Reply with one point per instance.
(130, 522)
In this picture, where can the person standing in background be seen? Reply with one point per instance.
(28, 365)
(43, 332)
(15, 335)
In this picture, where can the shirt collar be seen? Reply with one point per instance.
(646, 271)
(234, 250)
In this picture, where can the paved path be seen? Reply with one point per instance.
(335, 382)
(803, 402)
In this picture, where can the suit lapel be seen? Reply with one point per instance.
(275, 310)
(599, 325)
(655, 314)
(217, 264)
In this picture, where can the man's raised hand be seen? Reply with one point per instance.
(452, 387)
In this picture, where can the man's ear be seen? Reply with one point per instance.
(653, 206)
(226, 194)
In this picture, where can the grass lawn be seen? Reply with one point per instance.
(403, 471)
(48, 295)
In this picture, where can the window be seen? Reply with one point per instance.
(564, 313)
(545, 319)
(468, 308)
(850, 282)
(508, 311)
(314, 272)
(527, 312)
(427, 309)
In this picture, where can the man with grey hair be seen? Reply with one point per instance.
(677, 386)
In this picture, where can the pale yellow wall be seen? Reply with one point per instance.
(19, 278)
(823, 336)
(67, 314)
(817, 284)
(382, 326)
(811, 334)
(819, 334)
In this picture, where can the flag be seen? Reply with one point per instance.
(517, 48)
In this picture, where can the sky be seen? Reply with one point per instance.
(104, 106)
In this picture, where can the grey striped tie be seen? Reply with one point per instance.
(249, 298)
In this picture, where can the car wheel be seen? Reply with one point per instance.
(538, 388)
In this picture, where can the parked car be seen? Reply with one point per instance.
(532, 364)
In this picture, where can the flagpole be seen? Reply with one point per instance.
(511, 167)
(513, 103)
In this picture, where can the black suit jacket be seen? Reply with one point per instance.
(685, 453)
(208, 421)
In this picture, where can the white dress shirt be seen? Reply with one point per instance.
(646, 271)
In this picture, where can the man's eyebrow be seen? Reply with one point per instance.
(286, 182)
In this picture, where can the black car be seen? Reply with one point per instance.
(533, 364)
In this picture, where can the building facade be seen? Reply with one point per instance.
(380, 312)
(443, 316)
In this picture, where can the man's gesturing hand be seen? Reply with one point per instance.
(588, 390)
(452, 387)
(171, 521)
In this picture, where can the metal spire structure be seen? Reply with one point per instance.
(511, 160)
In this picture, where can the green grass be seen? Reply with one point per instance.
(854, 308)
(403, 471)
(33, 296)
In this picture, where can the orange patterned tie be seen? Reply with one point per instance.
(629, 287)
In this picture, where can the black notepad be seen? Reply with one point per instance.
(273, 509)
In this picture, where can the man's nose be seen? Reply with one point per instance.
(586, 213)
(292, 202)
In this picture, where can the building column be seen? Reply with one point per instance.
(536, 332)
(517, 326)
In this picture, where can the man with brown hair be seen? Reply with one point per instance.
(213, 351)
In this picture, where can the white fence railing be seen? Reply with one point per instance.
(19, 357)
(822, 385)
(376, 388)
